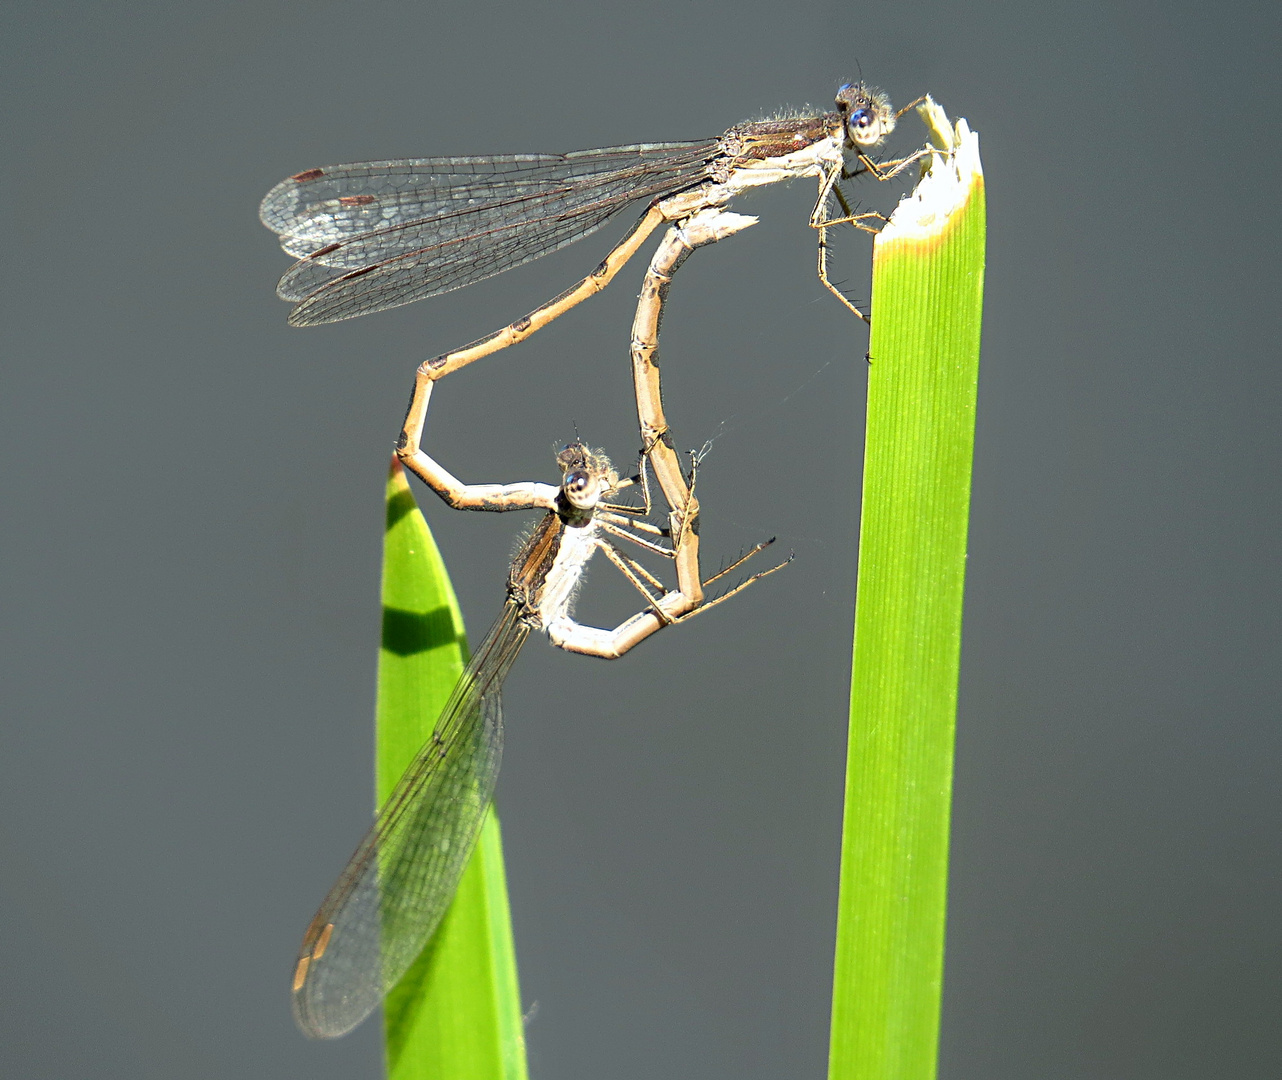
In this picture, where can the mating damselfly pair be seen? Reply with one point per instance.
(378, 235)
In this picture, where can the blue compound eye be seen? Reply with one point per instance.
(860, 118)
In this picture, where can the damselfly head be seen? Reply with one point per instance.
(867, 114)
(587, 476)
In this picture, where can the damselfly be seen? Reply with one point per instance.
(376, 235)
(388, 902)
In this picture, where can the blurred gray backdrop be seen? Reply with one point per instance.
(192, 514)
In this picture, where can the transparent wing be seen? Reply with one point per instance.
(327, 205)
(391, 897)
(381, 234)
(326, 294)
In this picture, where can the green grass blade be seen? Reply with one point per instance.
(457, 1012)
(928, 272)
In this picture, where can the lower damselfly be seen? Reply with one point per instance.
(391, 897)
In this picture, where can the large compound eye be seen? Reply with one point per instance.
(867, 114)
(576, 482)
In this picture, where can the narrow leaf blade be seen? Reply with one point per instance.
(457, 1011)
(928, 269)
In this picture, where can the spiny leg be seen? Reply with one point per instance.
(756, 549)
(910, 105)
(648, 545)
(628, 521)
(640, 578)
(849, 216)
(856, 220)
(884, 170)
(819, 220)
(738, 588)
(642, 478)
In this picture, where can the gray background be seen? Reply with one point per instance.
(192, 518)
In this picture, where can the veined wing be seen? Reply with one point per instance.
(388, 902)
(454, 229)
(327, 205)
